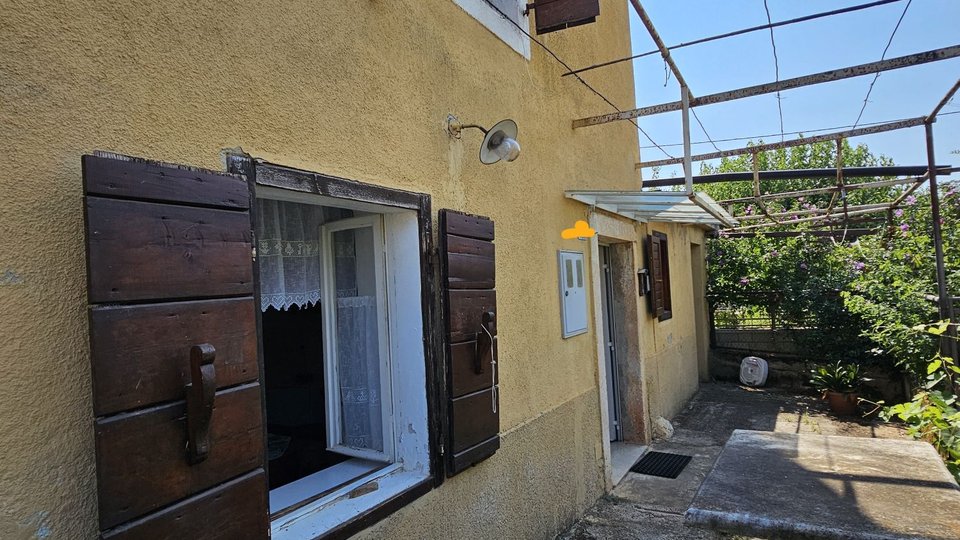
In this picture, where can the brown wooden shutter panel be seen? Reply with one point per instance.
(654, 261)
(169, 268)
(553, 15)
(467, 267)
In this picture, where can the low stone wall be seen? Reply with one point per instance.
(793, 373)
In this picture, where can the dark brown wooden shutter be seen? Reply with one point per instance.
(654, 262)
(467, 269)
(658, 262)
(553, 15)
(170, 283)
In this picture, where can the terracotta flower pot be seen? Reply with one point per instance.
(842, 403)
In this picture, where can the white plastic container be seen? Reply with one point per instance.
(753, 371)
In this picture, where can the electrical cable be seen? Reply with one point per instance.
(568, 68)
(883, 56)
(704, 130)
(776, 66)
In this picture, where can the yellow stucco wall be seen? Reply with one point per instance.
(671, 367)
(356, 89)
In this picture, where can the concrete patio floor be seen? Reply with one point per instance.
(648, 507)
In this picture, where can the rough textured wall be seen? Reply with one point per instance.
(357, 89)
(670, 347)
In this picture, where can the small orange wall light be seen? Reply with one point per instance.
(581, 231)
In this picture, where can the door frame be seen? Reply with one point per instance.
(610, 332)
(615, 230)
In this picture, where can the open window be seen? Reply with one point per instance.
(343, 315)
(266, 347)
(658, 264)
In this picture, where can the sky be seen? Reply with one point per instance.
(802, 49)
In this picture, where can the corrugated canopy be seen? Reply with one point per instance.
(665, 206)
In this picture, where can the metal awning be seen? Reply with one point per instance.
(665, 206)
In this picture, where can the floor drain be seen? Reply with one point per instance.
(661, 464)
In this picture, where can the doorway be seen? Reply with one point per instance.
(609, 341)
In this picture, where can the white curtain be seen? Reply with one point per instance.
(358, 351)
(288, 250)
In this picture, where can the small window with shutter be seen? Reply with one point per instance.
(573, 293)
(658, 265)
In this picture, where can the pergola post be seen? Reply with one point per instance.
(948, 343)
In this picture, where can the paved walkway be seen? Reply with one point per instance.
(648, 507)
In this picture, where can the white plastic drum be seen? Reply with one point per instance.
(753, 371)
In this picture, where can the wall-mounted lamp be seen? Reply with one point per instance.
(500, 141)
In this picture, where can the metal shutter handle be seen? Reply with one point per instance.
(200, 395)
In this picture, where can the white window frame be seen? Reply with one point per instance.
(411, 465)
(331, 366)
(502, 28)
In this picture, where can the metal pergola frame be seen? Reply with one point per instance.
(838, 211)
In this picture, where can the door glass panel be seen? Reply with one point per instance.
(358, 339)
(568, 267)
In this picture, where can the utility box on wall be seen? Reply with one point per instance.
(573, 295)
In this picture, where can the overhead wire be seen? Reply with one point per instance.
(883, 56)
(578, 77)
(739, 32)
(776, 66)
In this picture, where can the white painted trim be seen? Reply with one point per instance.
(323, 480)
(327, 513)
(334, 435)
(505, 30)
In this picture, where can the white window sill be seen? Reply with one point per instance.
(502, 28)
(336, 508)
(328, 479)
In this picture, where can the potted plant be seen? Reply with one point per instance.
(840, 384)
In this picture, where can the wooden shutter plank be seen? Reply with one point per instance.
(553, 15)
(141, 353)
(473, 420)
(466, 308)
(233, 510)
(460, 224)
(147, 251)
(471, 263)
(148, 180)
(141, 463)
(464, 377)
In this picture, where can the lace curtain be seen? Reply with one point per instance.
(288, 250)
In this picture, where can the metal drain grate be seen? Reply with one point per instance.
(661, 464)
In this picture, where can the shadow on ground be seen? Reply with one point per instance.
(649, 507)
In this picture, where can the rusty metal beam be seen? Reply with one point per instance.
(786, 84)
(664, 51)
(794, 174)
(831, 189)
(809, 219)
(932, 117)
(849, 233)
(869, 130)
(948, 342)
(737, 33)
(814, 211)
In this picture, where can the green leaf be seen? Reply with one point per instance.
(933, 366)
